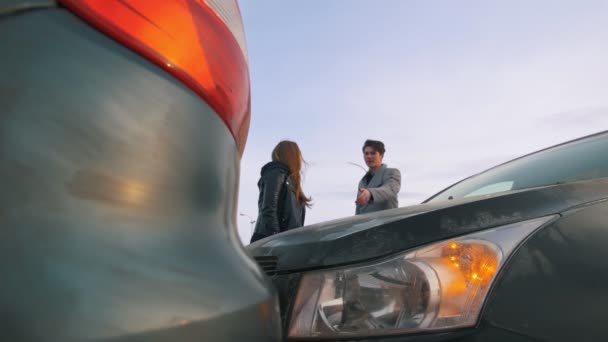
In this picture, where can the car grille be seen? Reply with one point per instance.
(268, 264)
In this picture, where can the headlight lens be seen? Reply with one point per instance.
(438, 286)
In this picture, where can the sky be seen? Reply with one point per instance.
(451, 88)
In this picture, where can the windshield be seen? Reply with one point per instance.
(582, 159)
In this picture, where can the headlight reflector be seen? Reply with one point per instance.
(439, 286)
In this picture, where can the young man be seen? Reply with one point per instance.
(379, 187)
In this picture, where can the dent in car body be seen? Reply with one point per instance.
(117, 211)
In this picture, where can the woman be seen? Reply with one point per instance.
(282, 203)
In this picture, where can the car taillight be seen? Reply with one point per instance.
(200, 42)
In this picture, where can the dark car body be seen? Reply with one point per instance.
(554, 287)
(119, 191)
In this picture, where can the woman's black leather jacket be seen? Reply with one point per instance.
(278, 207)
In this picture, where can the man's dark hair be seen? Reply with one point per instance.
(377, 145)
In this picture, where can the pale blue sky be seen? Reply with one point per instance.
(451, 88)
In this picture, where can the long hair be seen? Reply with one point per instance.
(288, 153)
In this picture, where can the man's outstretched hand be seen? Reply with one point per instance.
(363, 198)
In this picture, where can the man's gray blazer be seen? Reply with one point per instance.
(384, 187)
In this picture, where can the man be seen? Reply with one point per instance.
(379, 187)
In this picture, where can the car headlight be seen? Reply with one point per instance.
(435, 287)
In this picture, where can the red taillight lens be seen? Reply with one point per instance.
(201, 42)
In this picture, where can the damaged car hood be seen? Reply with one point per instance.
(375, 235)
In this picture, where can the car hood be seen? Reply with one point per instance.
(375, 235)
